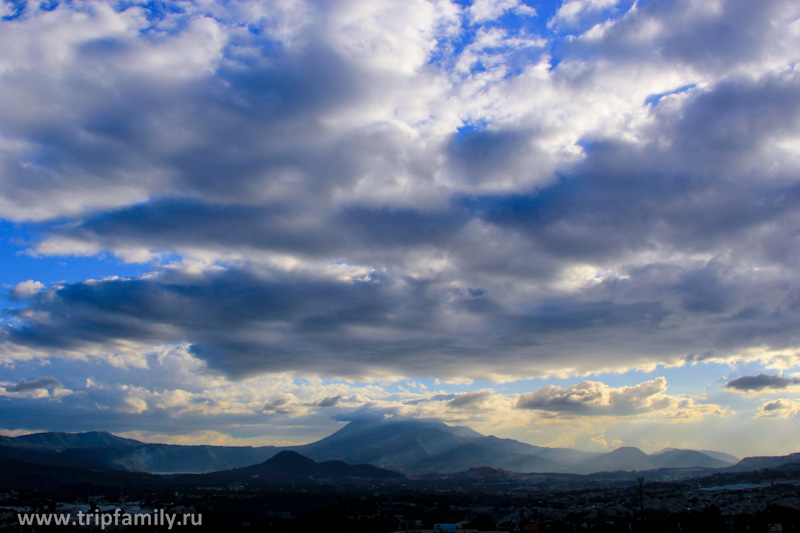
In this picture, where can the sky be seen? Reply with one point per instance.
(243, 222)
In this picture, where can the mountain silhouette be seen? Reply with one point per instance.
(426, 446)
(291, 467)
(410, 446)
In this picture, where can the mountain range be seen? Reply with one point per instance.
(42, 469)
(411, 447)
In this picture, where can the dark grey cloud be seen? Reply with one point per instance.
(761, 382)
(485, 156)
(311, 231)
(366, 413)
(781, 408)
(573, 399)
(40, 383)
(469, 399)
(330, 401)
(464, 400)
(280, 406)
(244, 321)
(777, 405)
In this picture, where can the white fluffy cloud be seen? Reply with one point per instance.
(26, 289)
(593, 398)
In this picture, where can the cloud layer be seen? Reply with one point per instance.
(379, 190)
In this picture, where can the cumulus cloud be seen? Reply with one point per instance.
(781, 408)
(25, 289)
(761, 382)
(596, 397)
(41, 383)
(593, 398)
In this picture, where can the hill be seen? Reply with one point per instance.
(291, 467)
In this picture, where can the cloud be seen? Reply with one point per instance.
(284, 405)
(485, 10)
(252, 319)
(570, 12)
(330, 401)
(593, 398)
(465, 400)
(761, 382)
(469, 399)
(25, 289)
(380, 190)
(40, 383)
(174, 394)
(781, 408)
(710, 38)
(597, 398)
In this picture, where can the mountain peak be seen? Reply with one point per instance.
(290, 459)
(628, 451)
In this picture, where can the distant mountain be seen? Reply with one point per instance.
(410, 446)
(426, 446)
(136, 456)
(629, 458)
(62, 441)
(724, 457)
(565, 456)
(757, 463)
(395, 442)
(626, 458)
(688, 459)
(177, 458)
